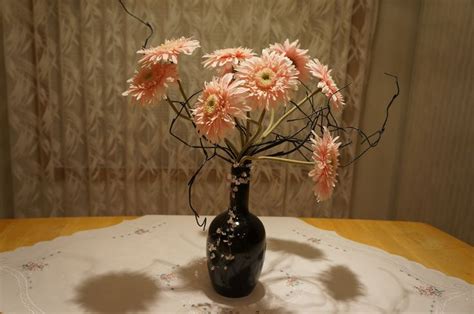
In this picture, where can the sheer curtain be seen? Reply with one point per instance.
(78, 148)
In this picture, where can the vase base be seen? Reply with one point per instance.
(234, 293)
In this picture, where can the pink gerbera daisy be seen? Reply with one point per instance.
(168, 51)
(227, 59)
(326, 83)
(220, 102)
(298, 56)
(150, 83)
(325, 156)
(270, 79)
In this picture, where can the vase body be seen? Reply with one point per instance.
(236, 242)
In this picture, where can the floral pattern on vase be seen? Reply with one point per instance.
(236, 241)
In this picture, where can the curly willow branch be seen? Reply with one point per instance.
(147, 24)
(253, 144)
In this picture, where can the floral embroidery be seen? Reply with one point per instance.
(292, 282)
(429, 291)
(168, 277)
(34, 266)
(314, 240)
(141, 231)
(206, 307)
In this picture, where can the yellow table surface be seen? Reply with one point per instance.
(416, 241)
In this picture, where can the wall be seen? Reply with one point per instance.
(423, 170)
(6, 199)
(392, 52)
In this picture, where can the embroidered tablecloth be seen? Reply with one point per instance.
(157, 264)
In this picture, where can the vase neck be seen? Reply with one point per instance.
(239, 188)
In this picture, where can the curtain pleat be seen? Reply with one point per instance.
(79, 148)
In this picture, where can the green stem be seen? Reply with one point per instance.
(249, 119)
(241, 133)
(176, 110)
(254, 137)
(185, 97)
(283, 117)
(272, 117)
(231, 146)
(279, 159)
(252, 121)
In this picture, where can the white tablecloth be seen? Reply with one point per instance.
(156, 264)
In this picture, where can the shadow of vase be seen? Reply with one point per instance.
(116, 292)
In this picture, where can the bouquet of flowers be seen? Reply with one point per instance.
(245, 90)
(236, 117)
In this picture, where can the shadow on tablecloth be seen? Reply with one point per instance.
(117, 292)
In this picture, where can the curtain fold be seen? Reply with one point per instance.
(79, 148)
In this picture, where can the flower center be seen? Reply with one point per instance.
(148, 75)
(211, 104)
(265, 77)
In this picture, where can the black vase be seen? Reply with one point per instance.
(236, 242)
